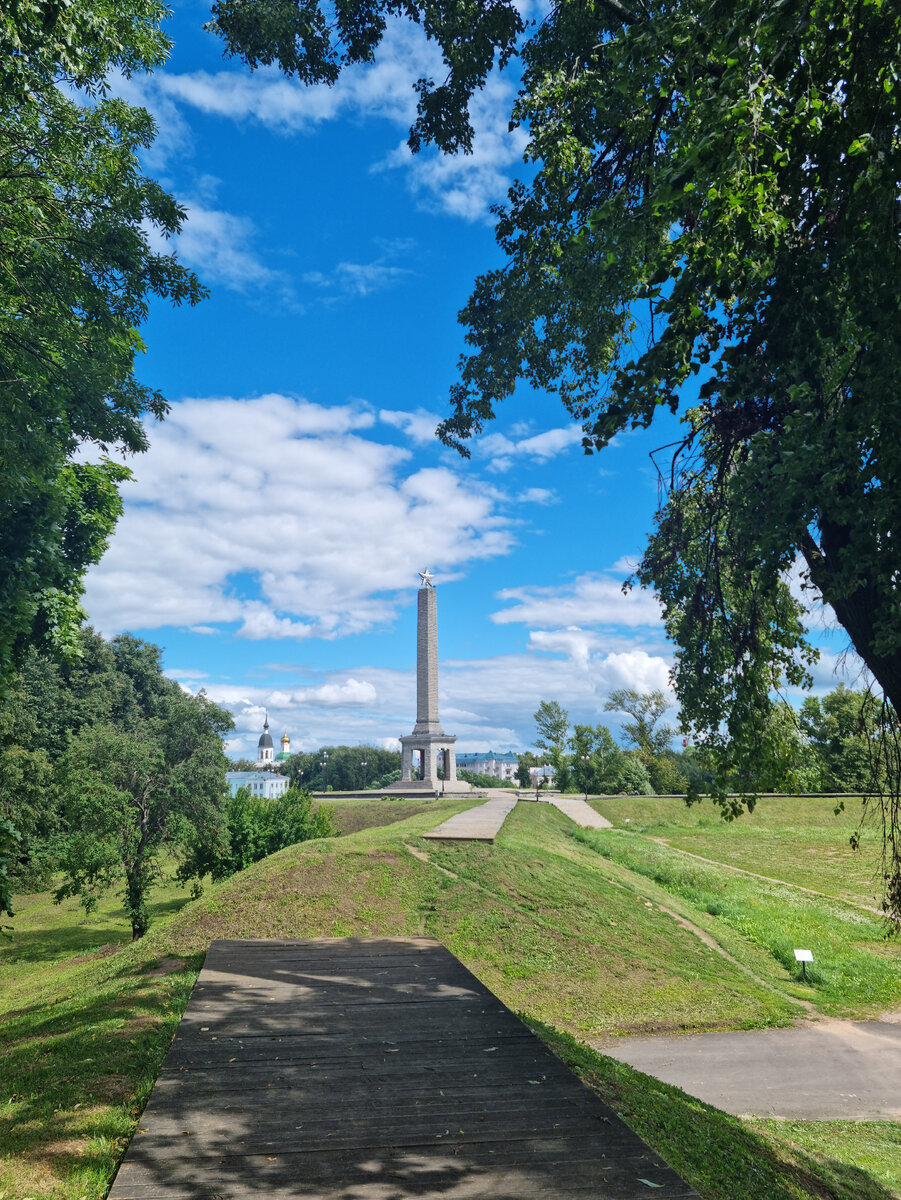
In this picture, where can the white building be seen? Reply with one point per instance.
(265, 785)
(502, 766)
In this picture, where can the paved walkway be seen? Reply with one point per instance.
(580, 812)
(371, 1069)
(833, 1070)
(480, 824)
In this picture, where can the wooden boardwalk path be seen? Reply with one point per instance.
(480, 824)
(370, 1069)
(580, 812)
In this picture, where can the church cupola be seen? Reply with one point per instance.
(265, 752)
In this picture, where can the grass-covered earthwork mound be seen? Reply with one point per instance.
(594, 935)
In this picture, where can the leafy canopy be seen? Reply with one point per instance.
(76, 276)
(149, 775)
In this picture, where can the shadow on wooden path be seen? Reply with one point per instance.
(370, 1069)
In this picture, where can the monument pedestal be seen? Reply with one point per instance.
(435, 750)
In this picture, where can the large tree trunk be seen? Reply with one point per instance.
(858, 611)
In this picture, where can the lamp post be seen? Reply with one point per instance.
(324, 765)
(364, 764)
(586, 758)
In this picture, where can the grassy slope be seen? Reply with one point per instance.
(558, 931)
(353, 815)
(798, 839)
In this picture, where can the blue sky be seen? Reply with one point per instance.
(273, 534)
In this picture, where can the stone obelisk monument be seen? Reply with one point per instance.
(428, 740)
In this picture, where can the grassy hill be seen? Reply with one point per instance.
(587, 935)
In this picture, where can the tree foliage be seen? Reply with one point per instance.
(254, 828)
(844, 729)
(104, 765)
(480, 780)
(552, 722)
(645, 709)
(314, 42)
(76, 275)
(9, 846)
(346, 769)
(154, 778)
(723, 178)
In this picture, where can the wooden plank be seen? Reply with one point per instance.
(373, 1069)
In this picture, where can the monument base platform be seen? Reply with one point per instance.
(426, 787)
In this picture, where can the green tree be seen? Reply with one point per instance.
(479, 780)
(523, 775)
(843, 728)
(254, 828)
(651, 740)
(632, 776)
(600, 773)
(128, 791)
(9, 849)
(25, 776)
(345, 770)
(76, 276)
(552, 721)
(645, 709)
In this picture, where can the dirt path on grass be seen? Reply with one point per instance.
(831, 1070)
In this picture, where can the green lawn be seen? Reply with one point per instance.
(797, 839)
(856, 970)
(576, 941)
(352, 815)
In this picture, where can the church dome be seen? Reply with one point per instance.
(265, 742)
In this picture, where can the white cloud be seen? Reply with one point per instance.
(280, 516)
(504, 451)
(589, 600)
(461, 185)
(357, 279)
(575, 643)
(218, 245)
(419, 426)
(383, 89)
(537, 495)
(466, 185)
(488, 703)
(354, 693)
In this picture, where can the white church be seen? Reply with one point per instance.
(266, 751)
(261, 781)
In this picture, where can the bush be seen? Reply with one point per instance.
(255, 828)
(484, 781)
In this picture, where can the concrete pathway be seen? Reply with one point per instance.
(834, 1070)
(481, 824)
(580, 812)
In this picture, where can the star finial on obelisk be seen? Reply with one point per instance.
(426, 576)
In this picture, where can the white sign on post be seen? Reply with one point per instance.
(803, 956)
